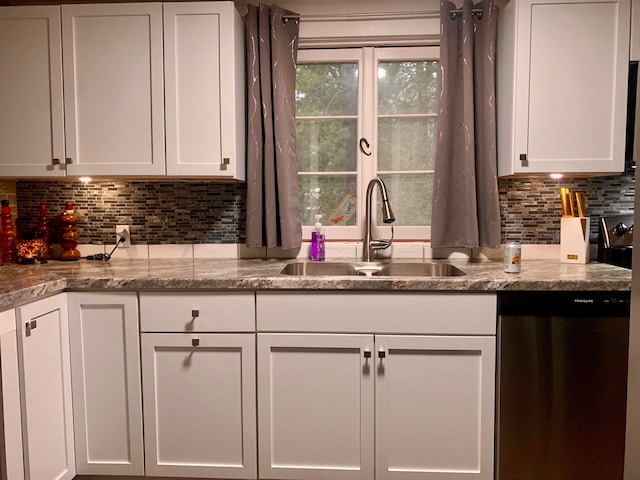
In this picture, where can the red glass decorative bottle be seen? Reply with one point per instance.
(9, 242)
(69, 242)
(43, 232)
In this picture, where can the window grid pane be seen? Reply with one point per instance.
(407, 87)
(327, 141)
(332, 196)
(410, 197)
(327, 89)
(326, 145)
(407, 120)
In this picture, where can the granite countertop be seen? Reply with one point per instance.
(23, 283)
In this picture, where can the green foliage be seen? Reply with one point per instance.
(407, 87)
(327, 89)
(326, 145)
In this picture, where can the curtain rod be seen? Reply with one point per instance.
(379, 16)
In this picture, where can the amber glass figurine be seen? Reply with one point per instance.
(69, 241)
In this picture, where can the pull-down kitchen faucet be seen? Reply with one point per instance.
(369, 244)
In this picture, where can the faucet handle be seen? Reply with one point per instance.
(379, 244)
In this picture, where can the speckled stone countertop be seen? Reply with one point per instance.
(23, 283)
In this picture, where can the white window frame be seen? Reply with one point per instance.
(367, 58)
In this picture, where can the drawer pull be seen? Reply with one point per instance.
(367, 354)
(381, 354)
(524, 160)
(195, 342)
(29, 326)
(195, 313)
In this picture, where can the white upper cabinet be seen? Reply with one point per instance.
(32, 119)
(84, 89)
(113, 89)
(204, 89)
(562, 86)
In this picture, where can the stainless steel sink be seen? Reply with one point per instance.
(372, 269)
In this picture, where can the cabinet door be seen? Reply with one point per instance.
(204, 89)
(46, 389)
(32, 121)
(434, 407)
(113, 89)
(199, 405)
(573, 60)
(11, 466)
(315, 406)
(107, 391)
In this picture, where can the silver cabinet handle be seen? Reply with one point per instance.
(55, 161)
(195, 342)
(382, 354)
(68, 161)
(195, 313)
(29, 326)
(367, 354)
(225, 163)
(523, 160)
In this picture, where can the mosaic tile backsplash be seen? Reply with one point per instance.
(531, 209)
(158, 212)
(162, 212)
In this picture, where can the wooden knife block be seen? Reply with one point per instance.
(574, 239)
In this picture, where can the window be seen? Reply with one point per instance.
(389, 98)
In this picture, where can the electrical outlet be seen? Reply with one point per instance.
(123, 231)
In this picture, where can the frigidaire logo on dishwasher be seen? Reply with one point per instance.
(583, 300)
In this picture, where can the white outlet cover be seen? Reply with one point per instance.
(123, 231)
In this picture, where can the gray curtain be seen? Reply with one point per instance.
(273, 210)
(466, 210)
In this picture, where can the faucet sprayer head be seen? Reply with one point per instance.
(387, 213)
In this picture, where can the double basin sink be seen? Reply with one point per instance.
(372, 269)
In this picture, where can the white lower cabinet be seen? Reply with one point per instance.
(43, 349)
(434, 407)
(405, 406)
(350, 386)
(107, 391)
(199, 385)
(11, 466)
(315, 404)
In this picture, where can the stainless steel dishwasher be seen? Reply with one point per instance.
(562, 384)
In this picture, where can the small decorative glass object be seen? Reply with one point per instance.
(69, 241)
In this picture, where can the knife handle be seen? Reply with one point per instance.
(572, 207)
(580, 204)
(565, 196)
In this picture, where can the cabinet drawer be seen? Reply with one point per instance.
(408, 313)
(197, 312)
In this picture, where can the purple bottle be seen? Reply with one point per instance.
(317, 241)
